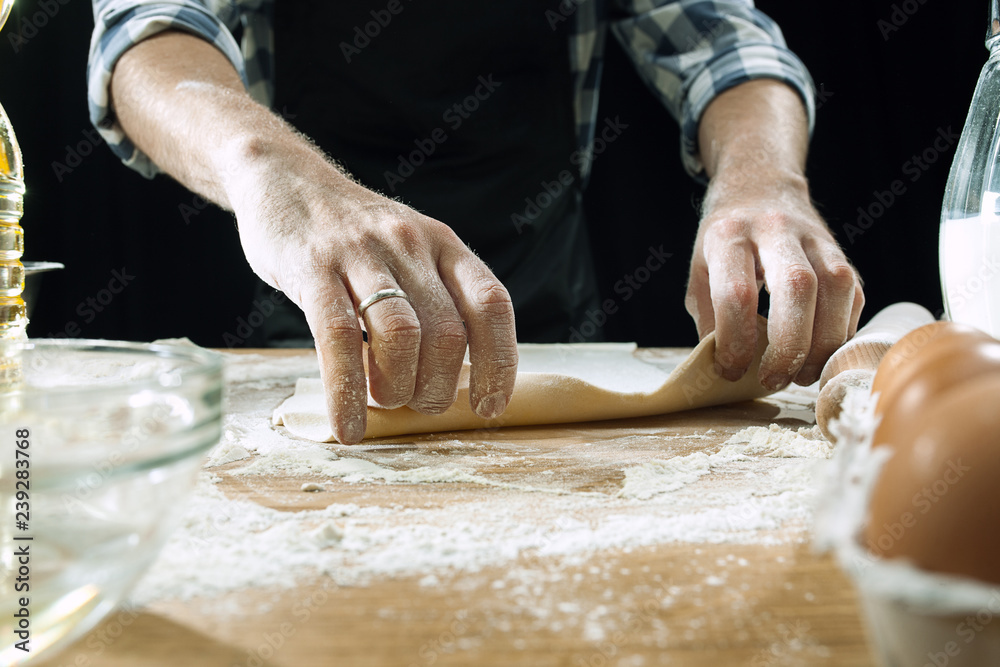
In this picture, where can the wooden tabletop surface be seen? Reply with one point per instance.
(777, 604)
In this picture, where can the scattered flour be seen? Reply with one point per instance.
(227, 451)
(313, 487)
(656, 477)
(644, 481)
(759, 487)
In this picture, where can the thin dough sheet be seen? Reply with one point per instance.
(556, 384)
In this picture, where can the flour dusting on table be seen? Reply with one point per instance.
(505, 499)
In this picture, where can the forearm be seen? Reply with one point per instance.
(754, 135)
(325, 240)
(759, 227)
(182, 103)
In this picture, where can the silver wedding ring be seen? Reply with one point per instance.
(378, 296)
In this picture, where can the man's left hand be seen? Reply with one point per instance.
(760, 229)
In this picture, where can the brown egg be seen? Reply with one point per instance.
(937, 501)
(945, 363)
(906, 360)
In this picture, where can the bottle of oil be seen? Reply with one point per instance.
(13, 315)
(13, 312)
(970, 218)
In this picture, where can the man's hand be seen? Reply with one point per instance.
(759, 228)
(327, 242)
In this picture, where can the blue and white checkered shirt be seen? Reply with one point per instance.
(687, 51)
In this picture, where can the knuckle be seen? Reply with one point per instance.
(338, 328)
(492, 297)
(399, 325)
(389, 228)
(739, 295)
(838, 278)
(448, 338)
(799, 279)
(315, 263)
(398, 337)
(401, 230)
(733, 226)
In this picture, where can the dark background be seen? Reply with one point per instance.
(885, 97)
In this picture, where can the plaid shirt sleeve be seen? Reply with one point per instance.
(689, 51)
(120, 24)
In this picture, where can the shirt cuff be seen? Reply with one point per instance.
(120, 25)
(731, 68)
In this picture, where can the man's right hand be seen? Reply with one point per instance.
(326, 241)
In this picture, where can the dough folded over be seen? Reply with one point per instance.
(596, 381)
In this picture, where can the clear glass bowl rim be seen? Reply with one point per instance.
(203, 373)
(199, 363)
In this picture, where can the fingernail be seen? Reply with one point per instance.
(491, 405)
(731, 374)
(776, 381)
(807, 376)
(352, 431)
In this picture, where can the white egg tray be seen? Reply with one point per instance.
(914, 618)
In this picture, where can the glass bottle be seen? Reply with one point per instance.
(13, 312)
(970, 217)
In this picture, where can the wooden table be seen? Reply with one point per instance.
(778, 605)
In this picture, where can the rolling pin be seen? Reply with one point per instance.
(853, 365)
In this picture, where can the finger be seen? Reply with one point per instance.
(835, 300)
(733, 283)
(698, 299)
(334, 325)
(488, 312)
(859, 304)
(793, 287)
(442, 345)
(393, 338)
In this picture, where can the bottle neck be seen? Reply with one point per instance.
(993, 29)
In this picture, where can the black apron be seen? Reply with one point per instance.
(463, 111)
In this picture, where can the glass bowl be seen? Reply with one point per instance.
(100, 442)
